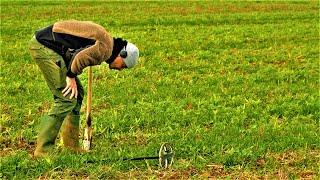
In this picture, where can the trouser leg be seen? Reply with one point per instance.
(54, 71)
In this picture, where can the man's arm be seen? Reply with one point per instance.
(90, 56)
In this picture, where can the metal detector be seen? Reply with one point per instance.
(165, 157)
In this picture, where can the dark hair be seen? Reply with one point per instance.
(118, 44)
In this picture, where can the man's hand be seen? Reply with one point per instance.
(71, 87)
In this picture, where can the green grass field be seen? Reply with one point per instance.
(233, 86)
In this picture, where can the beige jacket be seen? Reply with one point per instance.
(93, 55)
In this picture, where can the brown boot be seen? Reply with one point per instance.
(70, 133)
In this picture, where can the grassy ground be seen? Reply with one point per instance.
(233, 86)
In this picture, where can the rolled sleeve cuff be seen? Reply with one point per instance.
(71, 74)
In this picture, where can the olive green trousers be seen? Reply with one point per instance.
(54, 71)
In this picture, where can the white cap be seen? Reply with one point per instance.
(132, 55)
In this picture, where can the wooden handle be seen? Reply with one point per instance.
(89, 96)
(88, 130)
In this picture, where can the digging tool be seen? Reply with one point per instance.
(165, 157)
(88, 130)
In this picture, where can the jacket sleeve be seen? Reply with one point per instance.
(91, 56)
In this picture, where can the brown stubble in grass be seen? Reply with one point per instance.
(282, 166)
